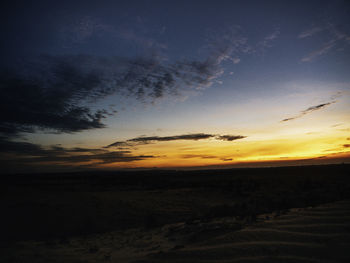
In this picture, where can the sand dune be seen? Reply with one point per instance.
(314, 234)
(318, 234)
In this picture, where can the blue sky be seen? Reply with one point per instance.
(117, 70)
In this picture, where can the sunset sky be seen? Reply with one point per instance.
(173, 84)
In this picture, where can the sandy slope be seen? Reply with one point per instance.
(315, 234)
(319, 234)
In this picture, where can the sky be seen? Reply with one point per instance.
(173, 84)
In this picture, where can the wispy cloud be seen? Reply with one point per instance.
(336, 37)
(268, 40)
(236, 60)
(225, 45)
(230, 43)
(202, 156)
(310, 32)
(321, 51)
(309, 110)
(83, 28)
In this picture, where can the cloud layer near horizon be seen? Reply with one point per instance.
(194, 136)
(24, 153)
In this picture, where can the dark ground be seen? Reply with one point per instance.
(60, 207)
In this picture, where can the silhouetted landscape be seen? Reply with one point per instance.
(43, 214)
(160, 131)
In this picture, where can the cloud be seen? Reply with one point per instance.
(131, 35)
(100, 158)
(321, 51)
(194, 137)
(55, 93)
(21, 154)
(59, 93)
(346, 145)
(21, 148)
(336, 125)
(309, 110)
(119, 144)
(226, 43)
(236, 60)
(317, 107)
(150, 139)
(80, 29)
(25, 153)
(47, 95)
(230, 43)
(268, 40)
(230, 137)
(310, 32)
(202, 156)
(336, 36)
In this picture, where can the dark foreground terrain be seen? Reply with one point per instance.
(289, 214)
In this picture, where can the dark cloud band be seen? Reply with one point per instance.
(309, 110)
(193, 137)
(25, 153)
(54, 92)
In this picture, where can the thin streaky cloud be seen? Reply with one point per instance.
(86, 27)
(267, 42)
(309, 110)
(310, 32)
(193, 137)
(339, 34)
(189, 156)
(272, 36)
(321, 51)
(336, 37)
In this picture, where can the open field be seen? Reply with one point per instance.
(289, 214)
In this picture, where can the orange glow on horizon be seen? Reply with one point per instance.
(246, 151)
